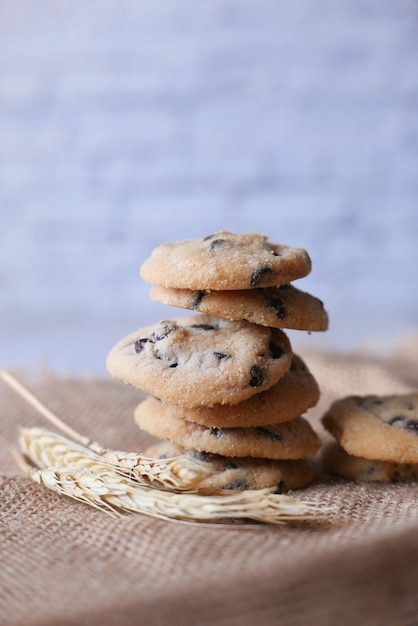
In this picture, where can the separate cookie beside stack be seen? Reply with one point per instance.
(224, 384)
(376, 438)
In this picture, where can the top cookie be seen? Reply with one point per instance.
(201, 360)
(384, 428)
(225, 261)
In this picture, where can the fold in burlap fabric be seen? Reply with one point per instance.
(65, 563)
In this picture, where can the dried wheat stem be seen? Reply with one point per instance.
(33, 400)
(46, 449)
(113, 493)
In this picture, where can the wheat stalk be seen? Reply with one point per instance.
(114, 494)
(37, 404)
(179, 473)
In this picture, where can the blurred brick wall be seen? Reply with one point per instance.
(124, 124)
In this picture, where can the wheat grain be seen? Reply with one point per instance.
(114, 494)
(46, 449)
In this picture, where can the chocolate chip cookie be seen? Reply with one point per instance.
(201, 360)
(360, 469)
(277, 307)
(225, 261)
(290, 440)
(383, 428)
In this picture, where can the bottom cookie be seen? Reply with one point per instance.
(243, 473)
(338, 461)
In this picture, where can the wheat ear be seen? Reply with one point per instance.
(47, 449)
(114, 494)
(179, 472)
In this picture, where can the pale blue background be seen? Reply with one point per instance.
(124, 124)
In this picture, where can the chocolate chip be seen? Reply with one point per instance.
(219, 244)
(162, 356)
(268, 434)
(279, 487)
(412, 425)
(208, 237)
(260, 274)
(168, 328)
(378, 401)
(220, 356)
(203, 326)
(270, 249)
(140, 343)
(239, 485)
(396, 419)
(200, 456)
(258, 376)
(276, 351)
(198, 297)
(215, 431)
(278, 307)
(403, 422)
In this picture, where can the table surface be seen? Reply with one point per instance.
(64, 562)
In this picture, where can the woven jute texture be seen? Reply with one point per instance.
(67, 564)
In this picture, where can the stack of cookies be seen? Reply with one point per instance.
(224, 385)
(376, 438)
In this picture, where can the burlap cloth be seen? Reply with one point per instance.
(65, 563)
